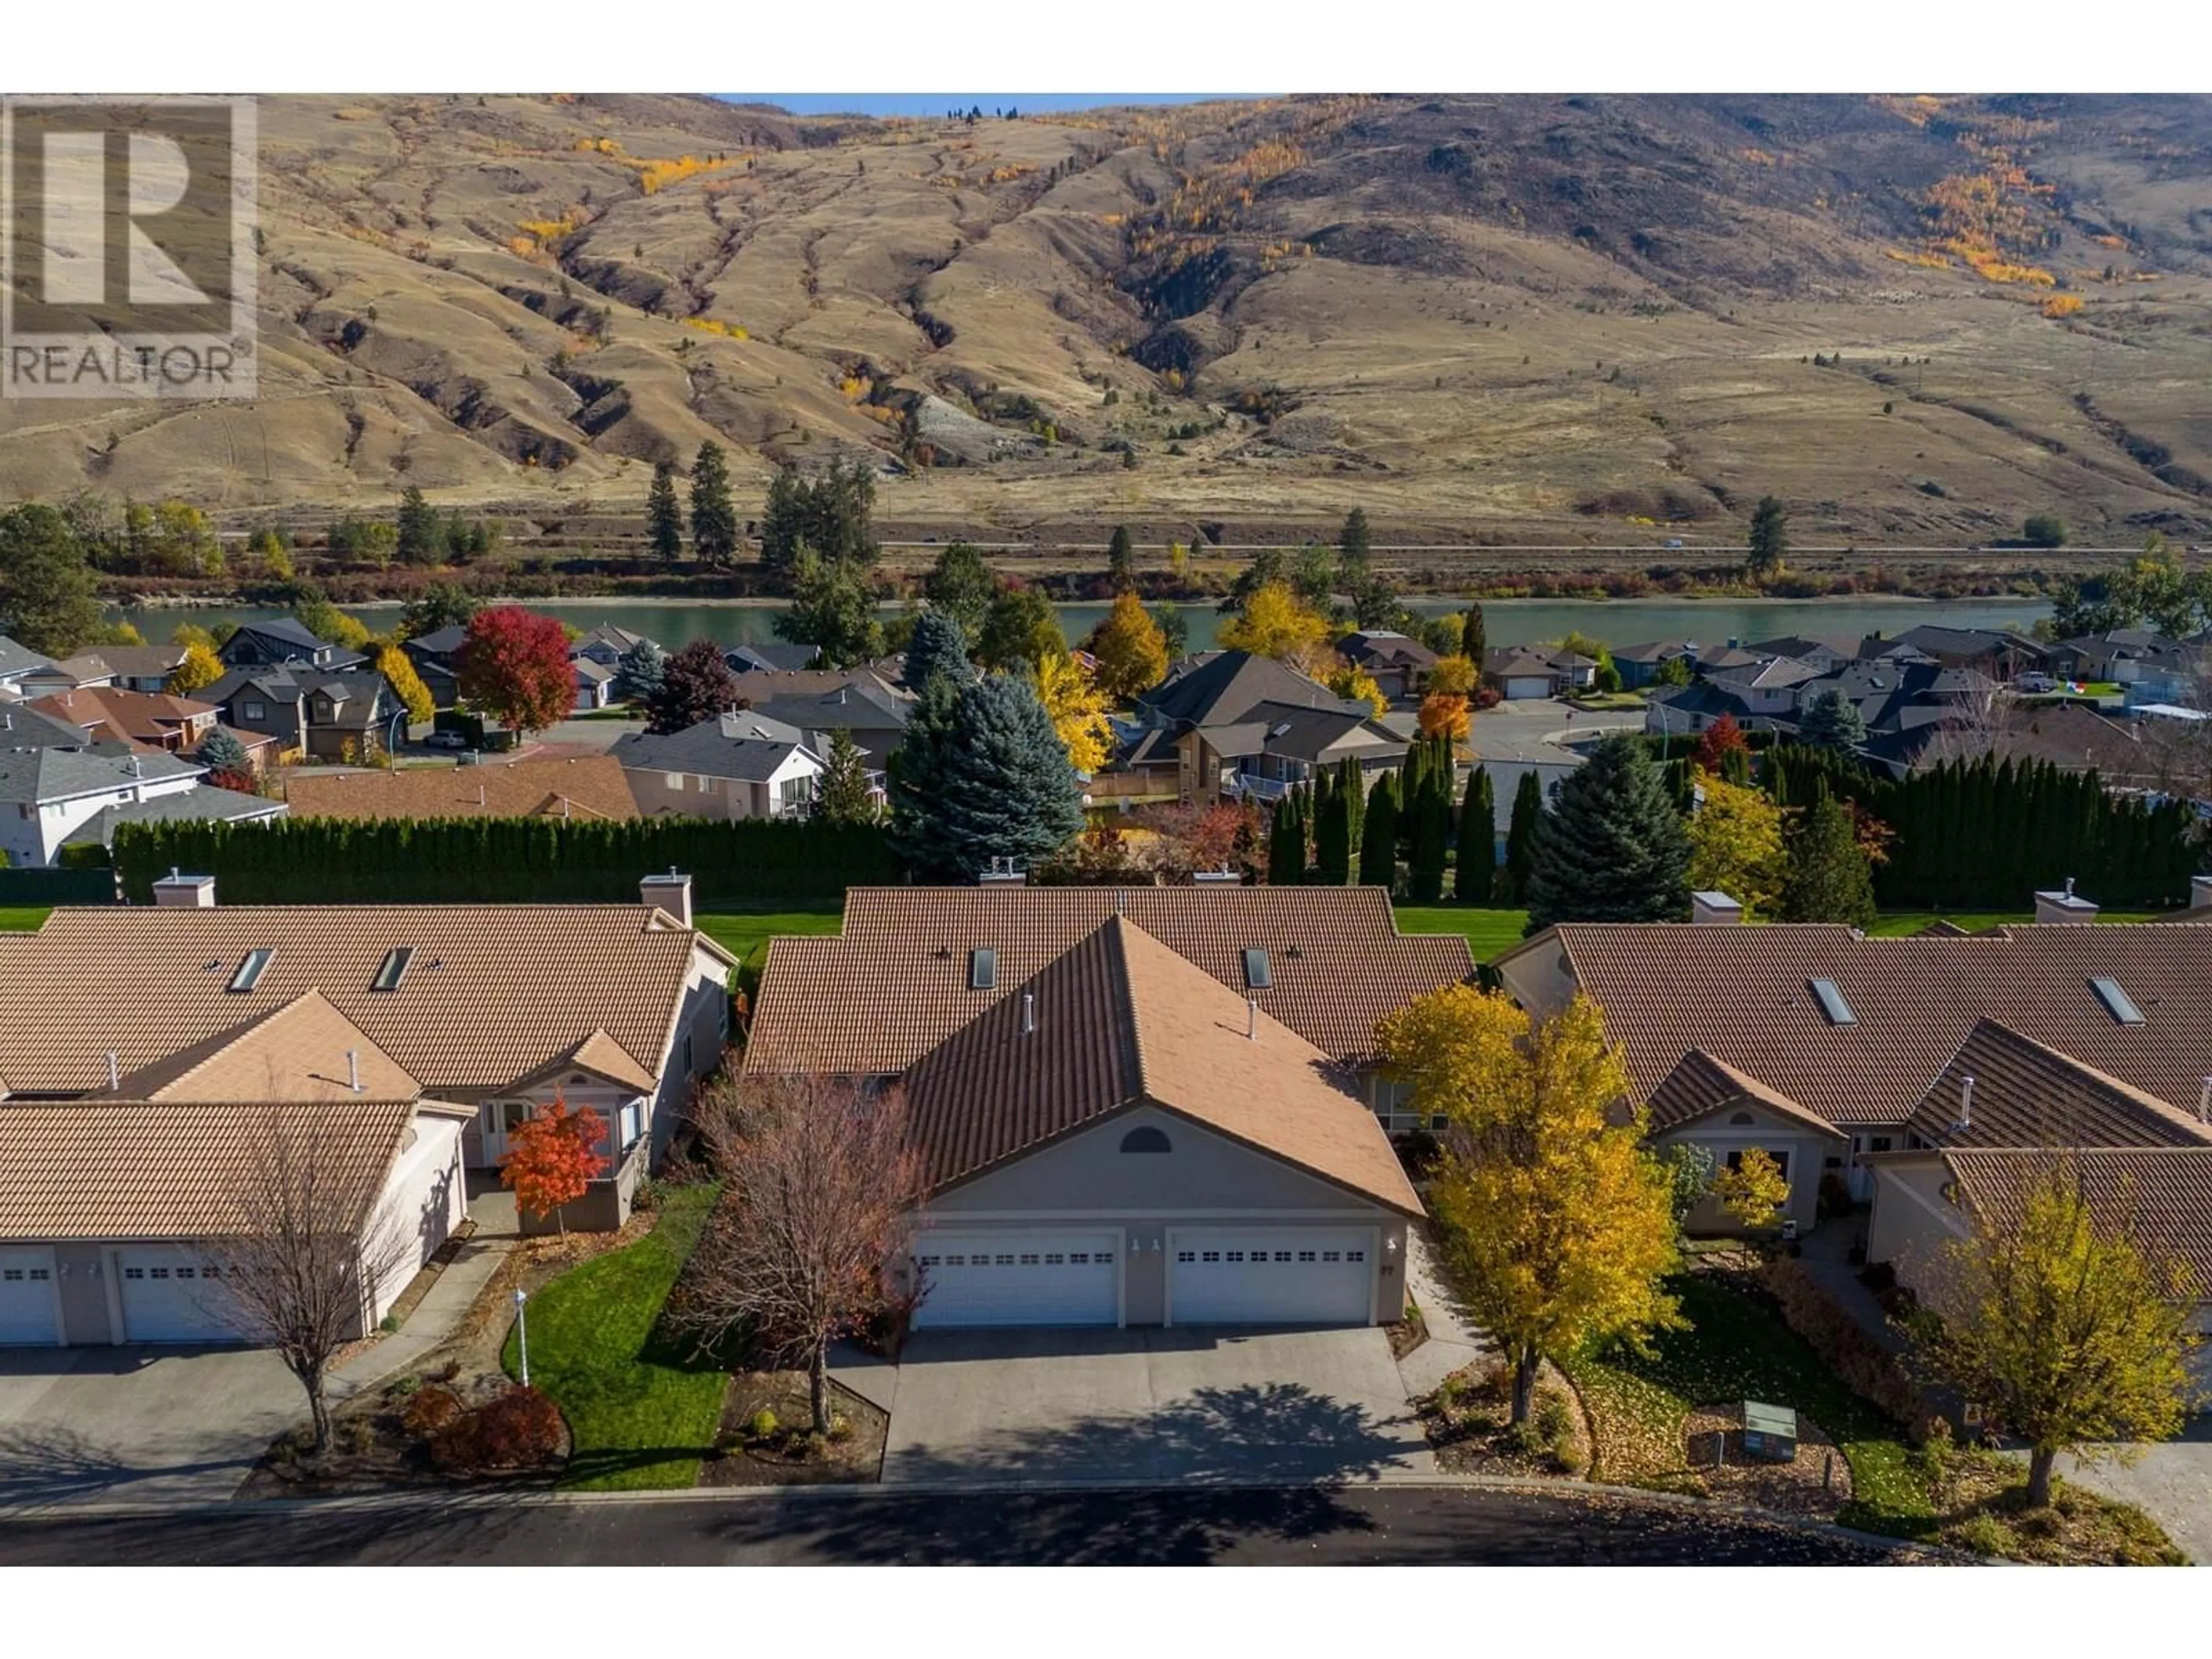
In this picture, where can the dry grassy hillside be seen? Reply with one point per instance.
(1516, 317)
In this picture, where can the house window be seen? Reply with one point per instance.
(255, 711)
(1145, 1138)
(1781, 1162)
(633, 1124)
(1742, 1118)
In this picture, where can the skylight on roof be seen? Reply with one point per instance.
(1832, 1004)
(250, 969)
(983, 969)
(2117, 1003)
(1259, 974)
(394, 968)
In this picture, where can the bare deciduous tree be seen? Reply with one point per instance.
(300, 1272)
(819, 1186)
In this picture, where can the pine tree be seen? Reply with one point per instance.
(714, 515)
(842, 795)
(1830, 878)
(1613, 847)
(1769, 542)
(1832, 721)
(1473, 638)
(960, 585)
(938, 647)
(1378, 838)
(642, 667)
(1477, 873)
(980, 774)
(1351, 546)
(1527, 824)
(422, 534)
(663, 515)
(1122, 560)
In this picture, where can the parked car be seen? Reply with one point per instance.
(2036, 680)
(445, 740)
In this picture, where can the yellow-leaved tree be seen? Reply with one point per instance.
(1736, 845)
(1555, 1217)
(1453, 677)
(200, 669)
(1277, 623)
(406, 684)
(1444, 715)
(1355, 684)
(1752, 1189)
(1131, 651)
(1078, 708)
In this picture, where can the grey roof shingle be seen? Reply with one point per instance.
(198, 805)
(1221, 687)
(747, 746)
(28, 776)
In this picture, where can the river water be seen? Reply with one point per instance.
(1507, 622)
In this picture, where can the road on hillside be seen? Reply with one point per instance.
(1297, 1526)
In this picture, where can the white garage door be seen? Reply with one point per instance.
(1272, 1276)
(27, 1297)
(1019, 1278)
(170, 1294)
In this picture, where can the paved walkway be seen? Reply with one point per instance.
(1825, 1257)
(1453, 1342)
(435, 1318)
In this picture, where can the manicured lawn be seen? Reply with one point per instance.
(1733, 1350)
(745, 934)
(23, 918)
(1488, 932)
(1895, 924)
(641, 1411)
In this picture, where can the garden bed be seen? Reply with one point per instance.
(1816, 1483)
(385, 1440)
(765, 1437)
(1468, 1422)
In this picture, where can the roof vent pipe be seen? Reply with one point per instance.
(114, 1071)
(353, 1070)
(1029, 1012)
(2204, 1102)
(1965, 1102)
(1252, 1018)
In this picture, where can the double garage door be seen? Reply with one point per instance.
(1216, 1276)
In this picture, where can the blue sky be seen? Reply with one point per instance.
(936, 103)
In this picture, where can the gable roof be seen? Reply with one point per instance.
(1120, 1019)
(598, 1055)
(820, 699)
(587, 786)
(439, 641)
(1700, 1085)
(491, 993)
(1518, 662)
(24, 726)
(747, 746)
(284, 631)
(202, 804)
(1385, 646)
(2162, 1194)
(1773, 673)
(895, 982)
(1318, 734)
(1220, 687)
(142, 717)
(302, 1050)
(2027, 1095)
(1914, 1001)
(28, 776)
(17, 658)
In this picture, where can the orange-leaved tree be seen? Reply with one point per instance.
(553, 1158)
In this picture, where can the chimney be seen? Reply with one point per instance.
(1965, 1103)
(1029, 1013)
(671, 892)
(1252, 1019)
(1709, 909)
(114, 1071)
(2064, 906)
(182, 892)
(1002, 874)
(353, 1070)
(2200, 892)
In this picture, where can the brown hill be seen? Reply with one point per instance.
(1547, 318)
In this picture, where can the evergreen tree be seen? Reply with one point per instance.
(1378, 838)
(222, 751)
(1769, 543)
(46, 601)
(984, 777)
(831, 609)
(1332, 830)
(1287, 853)
(1613, 848)
(843, 795)
(1473, 638)
(421, 532)
(1431, 815)
(642, 667)
(938, 647)
(1477, 873)
(1352, 543)
(714, 515)
(1352, 784)
(1829, 878)
(1122, 560)
(1521, 836)
(960, 585)
(442, 604)
(1832, 721)
(663, 515)
(783, 520)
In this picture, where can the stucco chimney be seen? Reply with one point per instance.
(2064, 906)
(671, 892)
(182, 892)
(1711, 908)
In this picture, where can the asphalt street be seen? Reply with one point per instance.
(1292, 1526)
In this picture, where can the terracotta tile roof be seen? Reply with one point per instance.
(896, 983)
(2165, 1194)
(589, 786)
(1701, 1085)
(123, 1169)
(1743, 994)
(600, 1056)
(1120, 1019)
(298, 1052)
(491, 993)
(2026, 1095)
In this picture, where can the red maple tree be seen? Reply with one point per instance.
(1722, 738)
(514, 666)
(553, 1156)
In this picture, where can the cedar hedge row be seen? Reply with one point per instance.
(732, 864)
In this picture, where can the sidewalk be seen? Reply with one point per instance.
(435, 1318)
(1453, 1342)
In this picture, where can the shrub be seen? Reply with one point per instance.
(1844, 1346)
(406, 1385)
(518, 1429)
(430, 1411)
(763, 1423)
(1983, 1534)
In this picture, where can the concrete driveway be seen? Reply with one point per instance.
(2172, 1483)
(137, 1425)
(1151, 1406)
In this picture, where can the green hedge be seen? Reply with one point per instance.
(733, 865)
(24, 888)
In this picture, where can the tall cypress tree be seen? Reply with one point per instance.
(1332, 830)
(1352, 784)
(1473, 636)
(1477, 871)
(1286, 852)
(1521, 837)
(1432, 815)
(1613, 848)
(1378, 837)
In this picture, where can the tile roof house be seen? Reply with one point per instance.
(1134, 1107)
(1858, 1032)
(489, 1010)
(740, 765)
(586, 786)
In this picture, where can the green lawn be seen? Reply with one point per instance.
(23, 918)
(1488, 932)
(1895, 924)
(641, 1411)
(1734, 1350)
(745, 934)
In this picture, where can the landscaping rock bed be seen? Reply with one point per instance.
(415, 1432)
(1467, 1419)
(765, 1437)
(1816, 1483)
